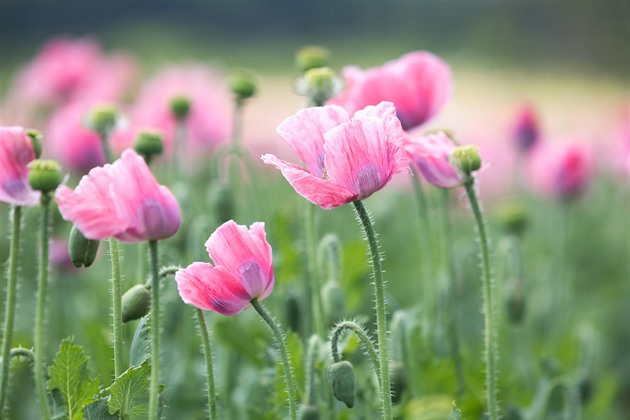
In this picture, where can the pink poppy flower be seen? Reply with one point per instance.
(242, 271)
(16, 151)
(122, 200)
(430, 154)
(418, 83)
(207, 123)
(526, 131)
(346, 159)
(111, 80)
(561, 170)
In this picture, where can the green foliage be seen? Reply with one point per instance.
(140, 344)
(129, 395)
(99, 410)
(69, 374)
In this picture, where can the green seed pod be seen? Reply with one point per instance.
(81, 249)
(308, 412)
(149, 144)
(465, 159)
(399, 380)
(36, 140)
(334, 300)
(180, 107)
(102, 119)
(243, 84)
(319, 85)
(44, 175)
(512, 216)
(515, 304)
(342, 382)
(136, 303)
(311, 57)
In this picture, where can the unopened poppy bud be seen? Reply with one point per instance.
(399, 380)
(319, 85)
(308, 412)
(311, 57)
(243, 84)
(136, 303)
(342, 382)
(515, 304)
(36, 141)
(44, 175)
(293, 310)
(220, 196)
(329, 256)
(465, 159)
(149, 144)
(82, 250)
(180, 107)
(102, 119)
(334, 300)
(512, 216)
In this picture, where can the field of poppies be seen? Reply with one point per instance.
(318, 243)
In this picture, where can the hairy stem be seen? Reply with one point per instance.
(379, 293)
(116, 307)
(281, 342)
(311, 360)
(155, 332)
(364, 338)
(207, 351)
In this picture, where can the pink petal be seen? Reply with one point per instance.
(212, 289)
(322, 192)
(16, 151)
(304, 132)
(245, 254)
(431, 155)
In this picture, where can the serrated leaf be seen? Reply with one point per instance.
(130, 393)
(98, 410)
(69, 374)
(140, 344)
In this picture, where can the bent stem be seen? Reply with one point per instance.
(364, 338)
(42, 286)
(116, 307)
(155, 331)
(490, 338)
(379, 294)
(207, 351)
(9, 314)
(281, 342)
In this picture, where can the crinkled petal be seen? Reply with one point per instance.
(322, 192)
(304, 132)
(212, 289)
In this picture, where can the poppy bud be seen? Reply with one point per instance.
(149, 144)
(512, 216)
(308, 412)
(44, 175)
(82, 250)
(515, 304)
(136, 303)
(465, 159)
(220, 195)
(311, 57)
(319, 85)
(36, 141)
(102, 119)
(399, 380)
(243, 84)
(342, 382)
(180, 107)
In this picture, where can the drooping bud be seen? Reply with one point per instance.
(149, 144)
(36, 140)
(44, 175)
(512, 216)
(311, 57)
(516, 304)
(102, 119)
(329, 256)
(243, 84)
(82, 250)
(136, 303)
(465, 160)
(180, 107)
(293, 311)
(308, 412)
(220, 195)
(342, 382)
(319, 85)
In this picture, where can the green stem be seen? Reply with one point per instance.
(314, 310)
(155, 332)
(143, 261)
(490, 339)
(116, 307)
(379, 293)
(23, 352)
(281, 342)
(9, 315)
(311, 360)
(162, 274)
(107, 151)
(207, 351)
(365, 340)
(42, 286)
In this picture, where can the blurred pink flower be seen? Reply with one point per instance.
(111, 80)
(208, 122)
(242, 271)
(346, 159)
(418, 83)
(526, 131)
(122, 200)
(68, 140)
(430, 154)
(561, 170)
(16, 151)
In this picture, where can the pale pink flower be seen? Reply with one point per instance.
(418, 83)
(16, 151)
(526, 130)
(430, 154)
(111, 80)
(242, 271)
(561, 170)
(346, 159)
(122, 200)
(208, 122)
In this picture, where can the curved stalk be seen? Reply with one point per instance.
(364, 338)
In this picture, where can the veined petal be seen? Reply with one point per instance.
(319, 191)
(212, 288)
(431, 155)
(304, 133)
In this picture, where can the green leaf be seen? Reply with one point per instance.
(69, 374)
(99, 410)
(455, 414)
(130, 393)
(140, 349)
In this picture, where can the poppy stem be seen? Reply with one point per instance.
(364, 338)
(116, 307)
(155, 332)
(207, 351)
(379, 294)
